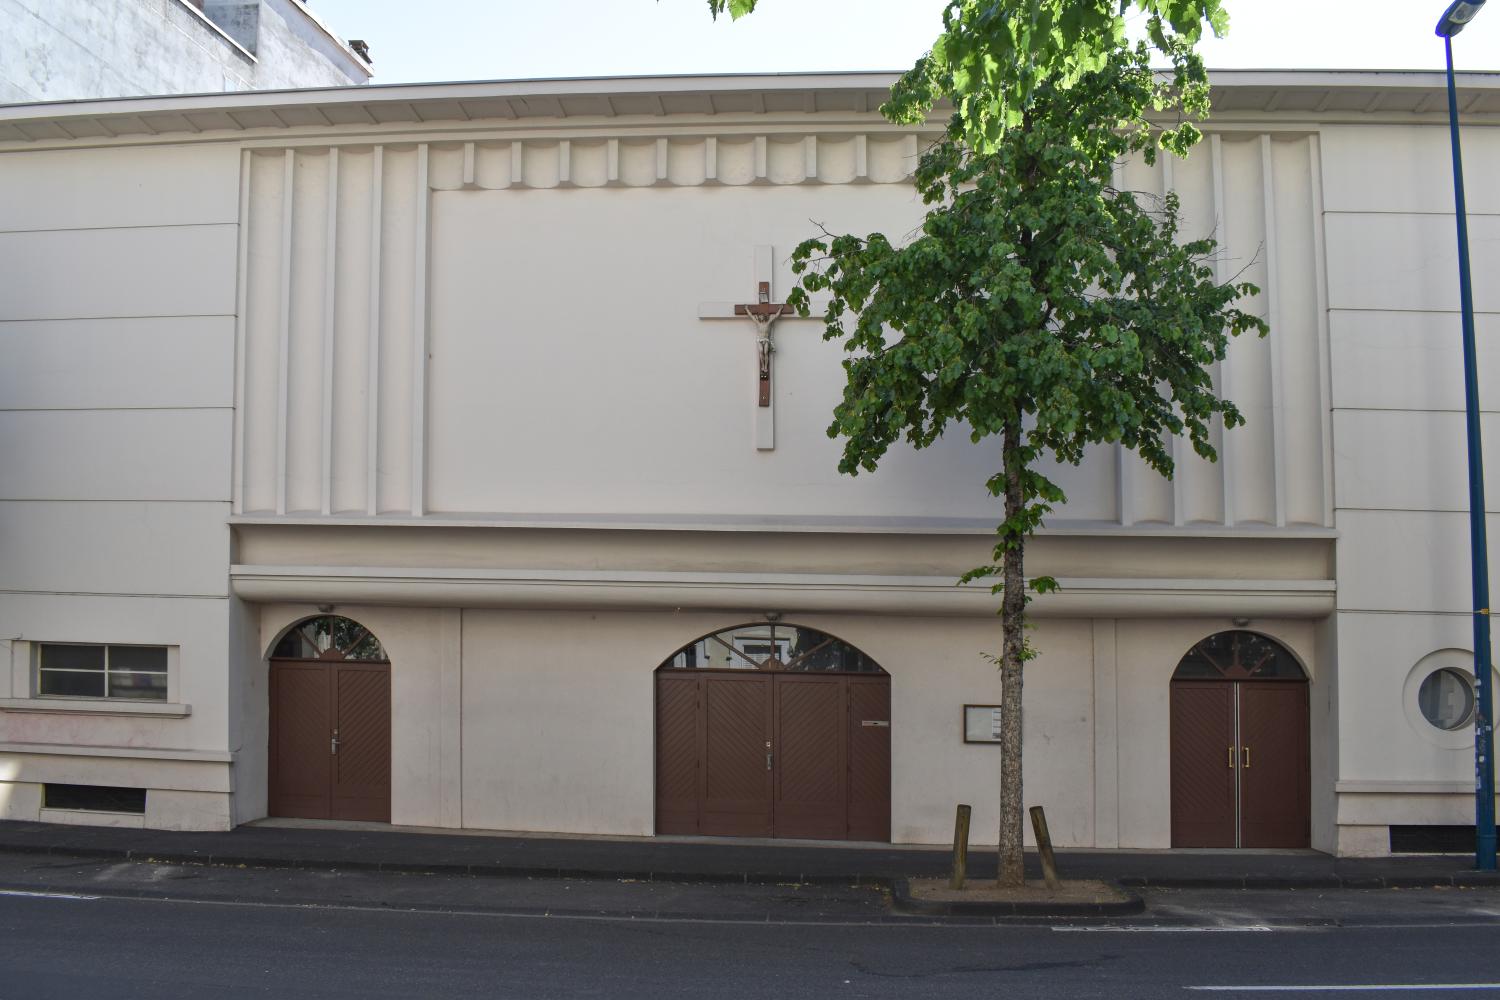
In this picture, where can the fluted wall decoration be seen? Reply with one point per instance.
(336, 248)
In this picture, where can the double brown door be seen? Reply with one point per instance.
(331, 740)
(1239, 764)
(773, 755)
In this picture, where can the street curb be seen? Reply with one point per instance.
(1457, 880)
(476, 870)
(903, 901)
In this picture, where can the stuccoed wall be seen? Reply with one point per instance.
(117, 322)
(1398, 420)
(52, 50)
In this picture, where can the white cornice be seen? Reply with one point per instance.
(1295, 97)
(789, 593)
(782, 524)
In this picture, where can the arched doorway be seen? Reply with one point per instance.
(330, 753)
(1239, 745)
(773, 730)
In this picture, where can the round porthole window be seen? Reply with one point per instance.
(1446, 699)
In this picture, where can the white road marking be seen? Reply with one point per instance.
(43, 895)
(1131, 929)
(1374, 988)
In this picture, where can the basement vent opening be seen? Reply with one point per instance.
(94, 798)
(1432, 839)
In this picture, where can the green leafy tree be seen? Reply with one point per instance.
(1041, 305)
(994, 55)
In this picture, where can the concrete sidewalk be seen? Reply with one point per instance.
(713, 860)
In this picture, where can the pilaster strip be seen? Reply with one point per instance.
(242, 292)
(330, 283)
(284, 322)
(372, 384)
(1226, 468)
(1273, 310)
(419, 341)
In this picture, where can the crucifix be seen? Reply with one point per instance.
(763, 313)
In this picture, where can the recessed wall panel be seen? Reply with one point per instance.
(117, 363)
(83, 274)
(262, 331)
(1249, 449)
(119, 187)
(115, 454)
(114, 548)
(305, 313)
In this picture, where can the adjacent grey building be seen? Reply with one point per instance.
(57, 50)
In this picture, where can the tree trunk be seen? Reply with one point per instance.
(1012, 623)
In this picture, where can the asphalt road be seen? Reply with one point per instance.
(111, 930)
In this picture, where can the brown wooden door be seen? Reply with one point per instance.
(737, 762)
(1274, 779)
(1239, 759)
(825, 774)
(330, 740)
(361, 787)
(1203, 749)
(301, 727)
(679, 747)
(811, 743)
(869, 758)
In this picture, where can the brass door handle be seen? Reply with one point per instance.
(1247, 757)
(1231, 758)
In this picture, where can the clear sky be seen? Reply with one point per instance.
(511, 39)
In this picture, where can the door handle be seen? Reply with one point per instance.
(1231, 758)
(768, 760)
(333, 743)
(1247, 757)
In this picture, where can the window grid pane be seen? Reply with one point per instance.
(62, 656)
(150, 659)
(138, 686)
(72, 683)
(70, 670)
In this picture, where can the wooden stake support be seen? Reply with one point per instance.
(960, 848)
(1044, 848)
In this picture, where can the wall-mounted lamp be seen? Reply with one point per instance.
(773, 616)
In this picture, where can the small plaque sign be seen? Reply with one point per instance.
(981, 723)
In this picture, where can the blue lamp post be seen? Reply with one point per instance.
(1458, 14)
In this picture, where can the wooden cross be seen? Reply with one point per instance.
(763, 313)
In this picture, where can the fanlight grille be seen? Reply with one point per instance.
(329, 637)
(772, 646)
(1239, 656)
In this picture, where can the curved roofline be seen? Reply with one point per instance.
(1255, 92)
(677, 83)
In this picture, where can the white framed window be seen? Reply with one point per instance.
(95, 671)
(1446, 699)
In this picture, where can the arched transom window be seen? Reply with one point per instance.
(772, 646)
(329, 637)
(1239, 656)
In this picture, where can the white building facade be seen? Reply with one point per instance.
(461, 364)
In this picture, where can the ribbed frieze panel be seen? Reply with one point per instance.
(333, 380)
(337, 394)
(1260, 197)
